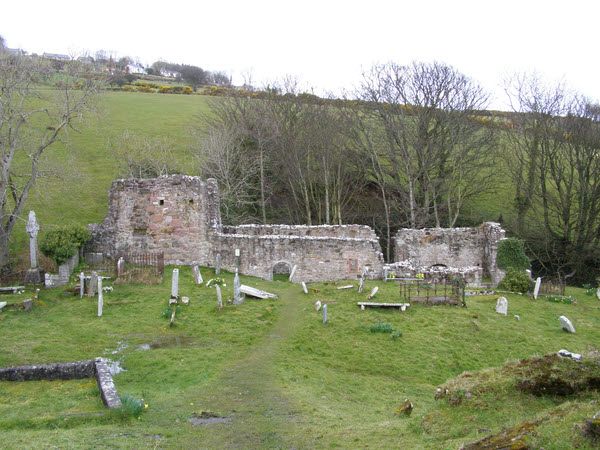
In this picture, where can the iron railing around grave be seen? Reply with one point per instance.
(437, 291)
(139, 267)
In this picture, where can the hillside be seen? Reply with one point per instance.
(87, 164)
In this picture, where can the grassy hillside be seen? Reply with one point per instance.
(282, 378)
(86, 165)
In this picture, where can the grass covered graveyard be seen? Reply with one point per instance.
(270, 374)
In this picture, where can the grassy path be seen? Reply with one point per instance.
(262, 415)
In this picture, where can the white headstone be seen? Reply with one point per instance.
(175, 284)
(32, 229)
(185, 300)
(237, 295)
(373, 292)
(120, 267)
(81, 284)
(598, 293)
(100, 298)
(318, 305)
(2, 305)
(219, 297)
(325, 313)
(304, 288)
(502, 306)
(385, 274)
(566, 324)
(292, 273)
(536, 290)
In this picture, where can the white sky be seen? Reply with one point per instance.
(325, 44)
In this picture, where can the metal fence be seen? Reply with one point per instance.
(145, 268)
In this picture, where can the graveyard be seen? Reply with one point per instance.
(273, 373)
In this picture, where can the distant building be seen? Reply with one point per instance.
(16, 51)
(169, 73)
(135, 68)
(86, 59)
(56, 56)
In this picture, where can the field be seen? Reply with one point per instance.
(282, 379)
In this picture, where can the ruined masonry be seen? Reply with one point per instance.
(179, 215)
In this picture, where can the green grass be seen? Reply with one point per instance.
(282, 377)
(86, 165)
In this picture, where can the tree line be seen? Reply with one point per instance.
(413, 148)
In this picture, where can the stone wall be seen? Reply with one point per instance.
(179, 216)
(462, 248)
(317, 258)
(173, 215)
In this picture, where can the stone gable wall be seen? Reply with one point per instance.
(452, 247)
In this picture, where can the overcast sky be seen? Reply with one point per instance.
(325, 44)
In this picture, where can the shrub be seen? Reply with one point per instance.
(515, 281)
(62, 243)
(381, 327)
(511, 255)
(132, 406)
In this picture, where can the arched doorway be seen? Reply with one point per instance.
(281, 271)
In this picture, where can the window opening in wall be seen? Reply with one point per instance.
(161, 201)
(191, 201)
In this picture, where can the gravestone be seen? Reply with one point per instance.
(219, 297)
(197, 275)
(2, 305)
(598, 293)
(385, 274)
(318, 305)
(292, 273)
(373, 292)
(304, 288)
(34, 275)
(237, 258)
(81, 284)
(325, 313)
(175, 284)
(237, 295)
(27, 304)
(121, 267)
(502, 306)
(566, 324)
(92, 285)
(218, 264)
(100, 297)
(536, 289)
(361, 285)
(185, 300)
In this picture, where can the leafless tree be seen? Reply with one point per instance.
(436, 151)
(38, 105)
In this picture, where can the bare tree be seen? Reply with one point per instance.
(144, 156)
(37, 107)
(436, 151)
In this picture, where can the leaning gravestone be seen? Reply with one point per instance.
(292, 273)
(536, 289)
(304, 288)
(197, 275)
(373, 292)
(566, 324)
(502, 306)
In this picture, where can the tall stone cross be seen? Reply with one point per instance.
(32, 229)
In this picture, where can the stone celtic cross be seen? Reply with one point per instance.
(32, 229)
